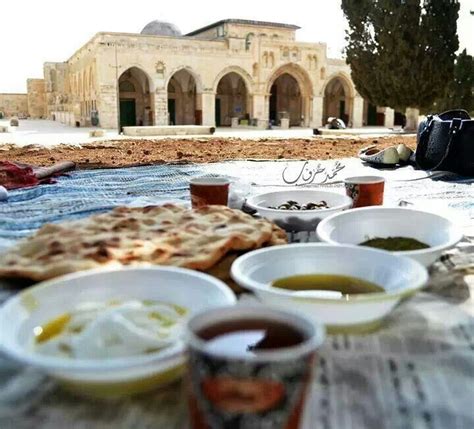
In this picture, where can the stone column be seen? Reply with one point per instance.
(209, 109)
(358, 112)
(260, 110)
(161, 107)
(389, 117)
(107, 106)
(317, 112)
(412, 114)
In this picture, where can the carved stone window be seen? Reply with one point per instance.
(160, 68)
(323, 73)
(255, 70)
(248, 41)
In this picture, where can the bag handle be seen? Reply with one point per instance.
(422, 146)
(455, 127)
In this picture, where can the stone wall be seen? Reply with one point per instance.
(14, 105)
(36, 98)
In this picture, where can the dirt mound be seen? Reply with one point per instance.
(123, 153)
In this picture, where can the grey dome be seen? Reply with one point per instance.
(160, 28)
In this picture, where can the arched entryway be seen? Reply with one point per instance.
(232, 100)
(182, 99)
(135, 98)
(290, 91)
(338, 100)
(286, 101)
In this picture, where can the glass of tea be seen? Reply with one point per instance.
(250, 367)
(209, 190)
(365, 190)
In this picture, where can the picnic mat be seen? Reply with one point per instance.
(83, 193)
(415, 372)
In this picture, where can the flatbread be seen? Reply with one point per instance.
(142, 236)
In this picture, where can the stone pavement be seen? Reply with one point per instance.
(50, 133)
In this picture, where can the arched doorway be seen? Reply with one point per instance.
(286, 100)
(135, 98)
(231, 99)
(337, 100)
(182, 99)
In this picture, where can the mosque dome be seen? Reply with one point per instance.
(160, 28)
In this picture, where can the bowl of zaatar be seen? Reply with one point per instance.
(417, 234)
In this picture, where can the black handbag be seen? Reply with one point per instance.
(445, 142)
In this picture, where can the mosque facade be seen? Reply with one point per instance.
(230, 73)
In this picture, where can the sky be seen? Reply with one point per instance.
(33, 32)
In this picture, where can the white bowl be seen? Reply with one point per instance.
(107, 377)
(399, 276)
(301, 219)
(358, 225)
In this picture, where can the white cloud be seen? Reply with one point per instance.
(32, 32)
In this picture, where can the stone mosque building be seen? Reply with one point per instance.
(230, 73)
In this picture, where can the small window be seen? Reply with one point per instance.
(248, 41)
(220, 31)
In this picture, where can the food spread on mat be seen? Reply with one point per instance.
(346, 285)
(95, 330)
(395, 244)
(205, 239)
(294, 205)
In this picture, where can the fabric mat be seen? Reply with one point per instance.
(82, 193)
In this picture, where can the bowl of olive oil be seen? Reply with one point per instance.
(349, 288)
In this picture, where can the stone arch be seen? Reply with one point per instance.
(136, 97)
(91, 80)
(81, 86)
(345, 78)
(238, 70)
(233, 99)
(194, 74)
(300, 74)
(184, 97)
(338, 92)
(86, 81)
(143, 70)
(289, 93)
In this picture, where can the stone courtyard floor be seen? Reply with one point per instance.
(47, 142)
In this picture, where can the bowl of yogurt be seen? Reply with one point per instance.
(109, 333)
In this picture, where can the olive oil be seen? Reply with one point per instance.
(52, 329)
(347, 285)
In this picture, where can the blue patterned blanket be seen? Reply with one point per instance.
(82, 193)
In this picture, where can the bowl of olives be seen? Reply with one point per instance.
(298, 209)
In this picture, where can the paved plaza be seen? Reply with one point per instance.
(50, 133)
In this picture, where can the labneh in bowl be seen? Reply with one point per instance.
(117, 376)
(397, 276)
(362, 224)
(298, 220)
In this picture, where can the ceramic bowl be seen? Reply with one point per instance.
(359, 225)
(398, 276)
(116, 376)
(300, 219)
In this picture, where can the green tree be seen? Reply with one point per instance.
(459, 92)
(401, 52)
